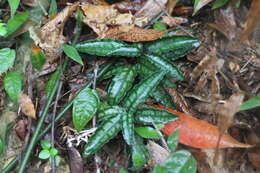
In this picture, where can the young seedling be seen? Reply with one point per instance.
(47, 152)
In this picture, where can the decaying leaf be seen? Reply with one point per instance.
(151, 9)
(129, 6)
(27, 106)
(198, 133)
(173, 21)
(133, 34)
(50, 36)
(158, 154)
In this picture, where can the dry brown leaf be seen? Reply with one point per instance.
(50, 36)
(158, 154)
(252, 20)
(151, 9)
(183, 10)
(133, 34)
(129, 6)
(173, 21)
(27, 106)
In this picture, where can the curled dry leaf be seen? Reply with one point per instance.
(198, 133)
(133, 34)
(151, 9)
(50, 36)
(27, 106)
(173, 21)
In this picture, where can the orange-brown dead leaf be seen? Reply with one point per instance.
(27, 106)
(133, 34)
(252, 20)
(198, 133)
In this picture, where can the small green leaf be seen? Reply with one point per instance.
(13, 85)
(180, 162)
(13, 5)
(251, 103)
(2, 145)
(53, 8)
(128, 128)
(147, 132)
(123, 171)
(51, 83)
(173, 140)
(85, 106)
(44, 154)
(219, 3)
(57, 160)
(16, 22)
(7, 57)
(53, 152)
(45, 144)
(72, 53)
(159, 26)
(3, 29)
(159, 169)
(37, 58)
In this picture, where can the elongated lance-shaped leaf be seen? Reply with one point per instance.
(115, 71)
(141, 91)
(164, 64)
(110, 47)
(109, 112)
(120, 85)
(128, 128)
(104, 133)
(140, 154)
(161, 96)
(84, 107)
(150, 115)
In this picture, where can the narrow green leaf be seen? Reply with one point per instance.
(85, 106)
(104, 133)
(13, 85)
(139, 153)
(198, 4)
(13, 5)
(173, 140)
(53, 8)
(107, 112)
(3, 29)
(180, 162)
(51, 83)
(72, 53)
(160, 95)
(251, 103)
(16, 22)
(53, 152)
(37, 58)
(2, 145)
(128, 128)
(147, 132)
(7, 57)
(159, 169)
(219, 3)
(139, 93)
(45, 144)
(44, 154)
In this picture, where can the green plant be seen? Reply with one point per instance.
(47, 152)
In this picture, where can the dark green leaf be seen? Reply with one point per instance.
(13, 85)
(120, 85)
(2, 146)
(7, 57)
(180, 162)
(251, 103)
(16, 22)
(147, 132)
(85, 106)
(104, 133)
(108, 112)
(37, 58)
(149, 115)
(51, 83)
(164, 64)
(141, 91)
(53, 152)
(161, 96)
(219, 3)
(159, 169)
(173, 140)
(13, 5)
(53, 8)
(128, 128)
(45, 144)
(44, 154)
(72, 53)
